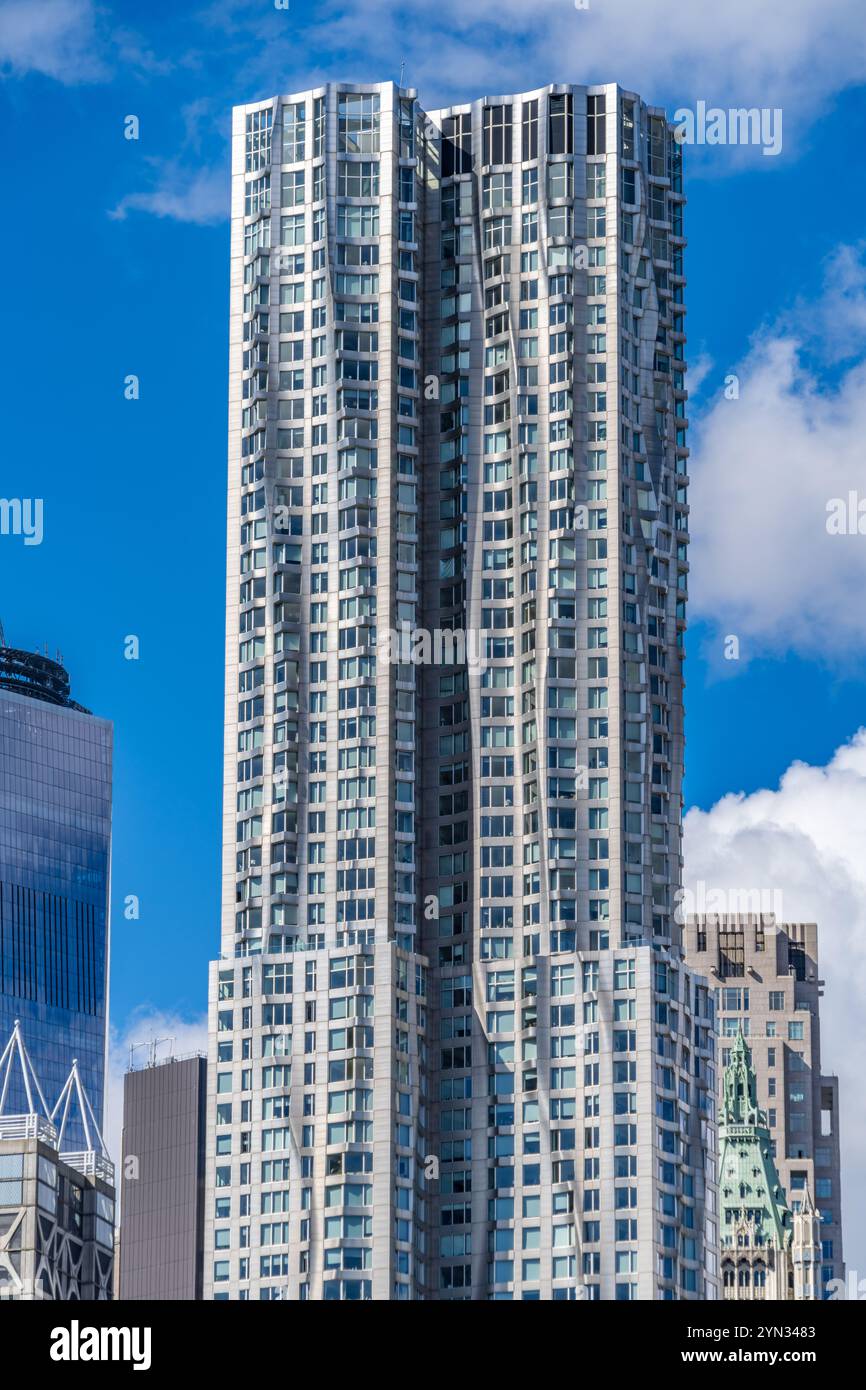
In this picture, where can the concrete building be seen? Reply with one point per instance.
(56, 1202)
(162, 1192)
(768, 987)
(55, 849)
(455, 1051)
(767, 1252)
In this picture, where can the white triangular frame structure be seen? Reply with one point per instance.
(62, 1264)
(73, 1090)
(13, 1052)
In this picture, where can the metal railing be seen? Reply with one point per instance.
(27, 1127)
(166, 1061)
(91, 1164)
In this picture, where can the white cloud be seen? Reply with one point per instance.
(200, 196)
(144, 1025)
(837, 322)
(55, 37)
(789, 53)
(765, 467)
(700, 368)
(794, 53)
(805, 841)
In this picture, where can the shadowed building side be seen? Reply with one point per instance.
(162, 1192)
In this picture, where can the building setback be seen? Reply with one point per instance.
(455, 1050)
(768, 986)
(162, 1206)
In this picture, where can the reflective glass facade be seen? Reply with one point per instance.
(55, 822)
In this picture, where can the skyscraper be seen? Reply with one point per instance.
(55, 840)
(766, 1251)
(456, 1052)
(768, 988)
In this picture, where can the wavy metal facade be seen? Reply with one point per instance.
(451, 1021)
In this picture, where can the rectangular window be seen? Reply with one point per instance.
(358, 123)
(560, 119)
(595, 139)
(292, 191)
(559, 180)
(496, 191)
(497, 135)
(294, 128)
(359, 180)
(292, 229)
(457, 145)
(257, 195)
(530, 130)
(258, 139)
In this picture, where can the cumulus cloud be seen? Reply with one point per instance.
(792, 53)
(200, 196)
(772, 456)
(837, 322)
(57, 38)
(70, 41)
(180, 1036)
(804, 843)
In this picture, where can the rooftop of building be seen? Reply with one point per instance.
(46, 1126)
(137, 1065)
(35, 675)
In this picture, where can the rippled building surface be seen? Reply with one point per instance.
(455, 1049)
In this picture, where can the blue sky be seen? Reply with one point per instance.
(116, 262)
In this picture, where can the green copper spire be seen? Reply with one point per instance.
(740, 1102)
(751, 1195)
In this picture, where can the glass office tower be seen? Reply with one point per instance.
(55, 836)
(456, 1050)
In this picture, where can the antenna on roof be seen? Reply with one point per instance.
(152, 1051)
(402, 70)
